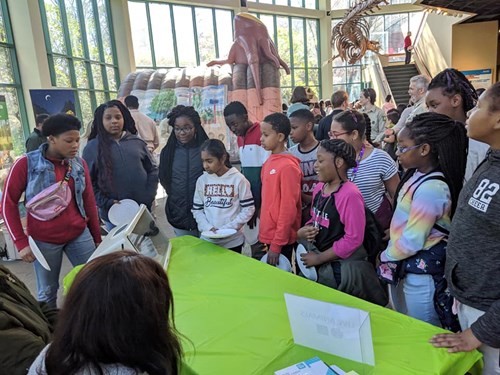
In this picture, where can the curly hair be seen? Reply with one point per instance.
(449, 143)
(454, 82)
(340, 149)
(168, 152)
(105, 160)
(280, 123)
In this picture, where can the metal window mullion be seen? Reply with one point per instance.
(18, 86)
(67, 41)
(86, 54)
(48, 45)
(104, 74)
(216, 35)
(290, 42)
(306, 59)
(150, 33)
(318, 54)
(113, 45)
(195, 34)
(174, 35)
(275, 32)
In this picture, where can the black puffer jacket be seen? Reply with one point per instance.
(186, 168)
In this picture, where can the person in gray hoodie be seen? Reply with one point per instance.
(120, 165)
(473, 252)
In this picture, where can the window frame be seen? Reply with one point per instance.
(213, 10)
(91, 90)
(17, 84)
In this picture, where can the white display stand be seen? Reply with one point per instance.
(141, 235)
(12, 253)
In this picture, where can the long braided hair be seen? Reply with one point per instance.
(454, 82)
(104, 157)
(340, 149)
(449, 143)
(167, 154)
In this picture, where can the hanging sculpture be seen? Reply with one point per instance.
(351, 36)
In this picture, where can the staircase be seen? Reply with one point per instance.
(398, 78)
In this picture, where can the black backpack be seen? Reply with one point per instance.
(372, 241)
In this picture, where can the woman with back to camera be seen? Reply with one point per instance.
(120, 163)
(117, 320)
(180, 167)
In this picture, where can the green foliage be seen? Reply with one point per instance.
(163, 103)
(207, 115)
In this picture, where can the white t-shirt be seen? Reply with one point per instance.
(307, 160)
(373, 171)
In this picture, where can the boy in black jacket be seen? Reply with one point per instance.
(473, 252)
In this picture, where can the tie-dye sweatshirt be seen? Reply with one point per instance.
(412, 224)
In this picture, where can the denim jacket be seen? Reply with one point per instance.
(41, 175)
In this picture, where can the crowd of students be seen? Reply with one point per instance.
(322, 193)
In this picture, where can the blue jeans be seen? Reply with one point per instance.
(78, 252)
(414, 296)
(183, 232)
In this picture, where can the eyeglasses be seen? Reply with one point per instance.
(402, 150)
(183, 130)
(334, 134)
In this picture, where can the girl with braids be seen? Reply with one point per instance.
(451, 93)
(223, 199)
(433, 149)
(337, 227)
(180, 167)
(375, 173)
(121, 167)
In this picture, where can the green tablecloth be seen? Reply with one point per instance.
(232, 311)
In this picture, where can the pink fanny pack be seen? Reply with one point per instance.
(51, 201)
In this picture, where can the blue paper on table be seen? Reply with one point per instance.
(313, 366)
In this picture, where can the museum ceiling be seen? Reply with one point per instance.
(486, 10)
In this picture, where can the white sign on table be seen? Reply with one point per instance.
(335, 329)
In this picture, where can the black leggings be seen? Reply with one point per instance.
(237, 249)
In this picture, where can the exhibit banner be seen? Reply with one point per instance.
(480, 79)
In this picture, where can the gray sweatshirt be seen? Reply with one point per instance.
(473, 253)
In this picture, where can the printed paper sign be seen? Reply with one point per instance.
(480, 79)
(335, 329)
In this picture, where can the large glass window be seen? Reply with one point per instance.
(12, 107)
(80, 48)
(196, 35)
(309, 4)
(389, 30)
(297, 41)
(344, 4)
